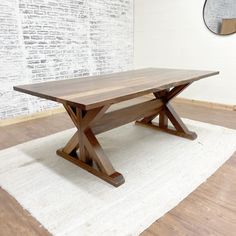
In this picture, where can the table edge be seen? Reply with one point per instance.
(113, 100)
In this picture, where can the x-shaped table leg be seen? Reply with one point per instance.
(168, 113)
(84, 150)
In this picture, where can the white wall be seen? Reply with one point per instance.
(172, 34)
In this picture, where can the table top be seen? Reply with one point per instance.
(94, 91)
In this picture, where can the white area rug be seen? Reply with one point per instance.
(160, 170)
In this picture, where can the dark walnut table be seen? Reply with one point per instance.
(87, 101)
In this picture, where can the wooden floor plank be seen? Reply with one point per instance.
(14, 220)
(210, 210)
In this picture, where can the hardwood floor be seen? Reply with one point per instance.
(209, 210)
(14, 220)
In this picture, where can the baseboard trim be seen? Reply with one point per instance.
(33, 116)
(211, 105)
(179, 100)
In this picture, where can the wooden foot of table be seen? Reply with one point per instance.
(116, 179)
(189, 135)
(167, 113)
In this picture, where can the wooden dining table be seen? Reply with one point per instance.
(88, 102)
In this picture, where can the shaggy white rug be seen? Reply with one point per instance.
(160, 170)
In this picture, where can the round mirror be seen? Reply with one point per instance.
(220, 16)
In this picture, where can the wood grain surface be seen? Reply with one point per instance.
(94, 91)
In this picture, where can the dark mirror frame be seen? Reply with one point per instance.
(209, 27)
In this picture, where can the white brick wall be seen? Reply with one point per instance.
(42, 40)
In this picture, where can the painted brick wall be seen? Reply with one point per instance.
(42, 40)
